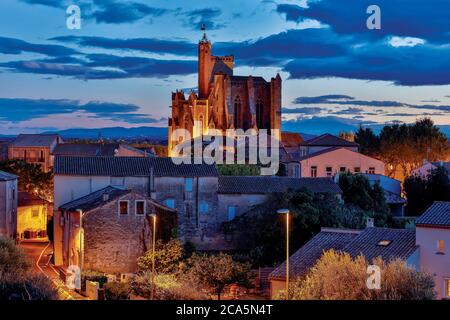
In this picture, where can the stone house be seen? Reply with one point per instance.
(31, 216)
(185, 188)
(35, 149)
(109, 229)
(8, 204)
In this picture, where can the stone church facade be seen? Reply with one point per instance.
(224, 101)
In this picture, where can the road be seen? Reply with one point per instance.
(40, 253)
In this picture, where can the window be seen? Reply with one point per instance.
(342, 169)
(259, 114)
(313, 171)
(296, 170)
(231, 212)
(123, 207)
(188, 185)
(329, 171)
(170, 203)
(41, 156)
(371, 170)
(447, 288)
(357, 170)
(440, 246)
(237, 112)
(204, 207)
(384, 243)
(35, 213)
(140, 207)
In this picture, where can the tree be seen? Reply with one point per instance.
(31, 177)
(422, 192)
(369, 143)
(260, 232)
(168, 257)
(337, 276)
(217, 271)
(238, 170)
(356, 190)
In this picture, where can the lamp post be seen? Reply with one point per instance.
(286, 213)
(153, 215)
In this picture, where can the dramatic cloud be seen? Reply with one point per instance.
(408, 18)
(17, 46)
(112, 11)
(207, 16)
(16, 110)
(336, 99)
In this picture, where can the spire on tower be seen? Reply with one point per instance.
(203, 28)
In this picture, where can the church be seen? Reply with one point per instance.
(224, 100)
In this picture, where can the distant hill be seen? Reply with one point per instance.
(114, 132)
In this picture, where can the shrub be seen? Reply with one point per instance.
(167, 287)
(168, 257)
(27, 287)
(12, 258)
(92, 275)
(117, 291)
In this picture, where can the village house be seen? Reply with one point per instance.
(31, 216)
(427, 167)
(327, 155)
(8, 204)
(392, 192)
(35, 149)
(97, 150)
(109, 229)
(423, 248)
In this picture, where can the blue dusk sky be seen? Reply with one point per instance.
(121, 66)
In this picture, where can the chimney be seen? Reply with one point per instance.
(105, 197)
(369, 223)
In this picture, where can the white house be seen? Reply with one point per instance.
(433, 238)
(8, 204)
(427, 167)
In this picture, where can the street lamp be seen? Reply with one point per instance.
(153, 215)
(286, 212)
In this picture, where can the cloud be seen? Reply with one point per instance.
(104, 66)
(405, 18)
(351, 111)
(17, 110)
(111, 11)
(17, 46)
(48, 3)
(319, 125)
(207, 16)
(336, 99)
(304, 110)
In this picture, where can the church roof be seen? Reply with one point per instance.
(245, 78)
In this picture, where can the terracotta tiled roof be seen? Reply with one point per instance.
(402, 243)
(34, 140)
(29, 199)
(129, 166)
(273, 184)
(306, 257)
(94, 199)
(438, 214)
(5, 176)
(328, 140)
(367, 243)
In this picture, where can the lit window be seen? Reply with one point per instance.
(313, 171)
(170, 203)
(329, 171)
(188, 184)
(123, 207)
(371, 170)
(204, 207)
(35, 213)
(447, 288)
(384, 243)
(231, 213)
(357, 169)
(440, 246)
(140, 207)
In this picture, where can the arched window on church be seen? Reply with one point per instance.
(259, 113)
(237, 112)
(200, 127)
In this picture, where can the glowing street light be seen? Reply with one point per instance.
(286, 212)
(153, 215)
